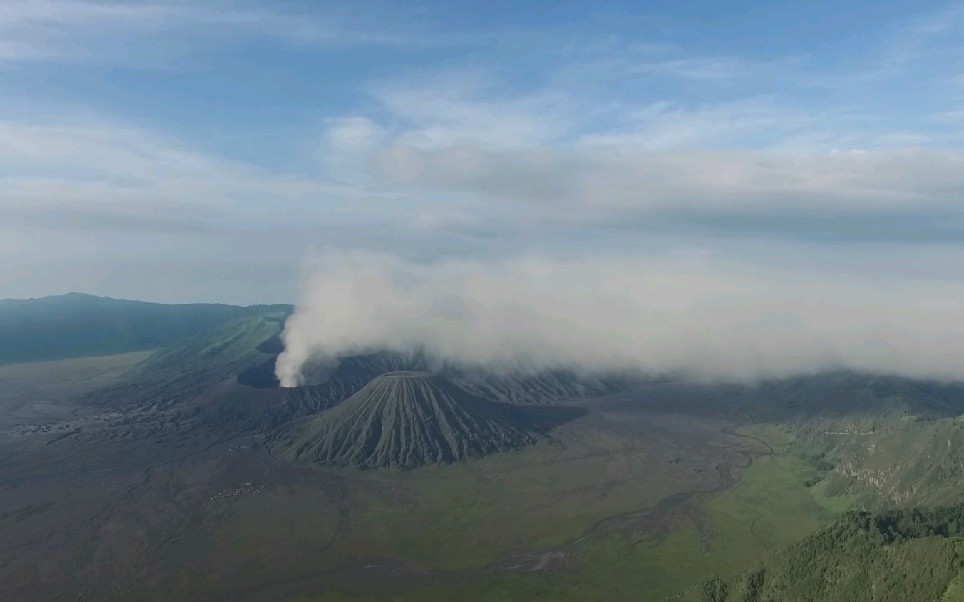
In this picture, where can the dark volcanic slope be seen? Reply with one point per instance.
(405, 420)
(538, 388)
(546, 387)
(179, 373)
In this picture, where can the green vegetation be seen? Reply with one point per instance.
(461, 523)
(897, 459)
(76, 325)
(896, 555)
(886, 556)
(768, 507)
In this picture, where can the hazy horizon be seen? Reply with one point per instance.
(142, 300)
(235, 151)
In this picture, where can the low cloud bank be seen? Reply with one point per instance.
(615, 181)
(701, 318)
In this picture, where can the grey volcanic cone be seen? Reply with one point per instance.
(405, 420)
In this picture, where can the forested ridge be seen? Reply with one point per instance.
(894, 555)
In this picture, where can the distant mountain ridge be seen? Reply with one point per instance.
(79, 325)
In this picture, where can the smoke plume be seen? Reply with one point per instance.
(705, 319)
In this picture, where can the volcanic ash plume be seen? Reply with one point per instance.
(707, 319)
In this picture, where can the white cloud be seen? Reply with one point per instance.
(452, 110)
(591, 134)
(705, 68)
(745, 124)
(459, 137)
(352, 135)
(147, 34)
(702, 317)
(611, 183)
(950, 116)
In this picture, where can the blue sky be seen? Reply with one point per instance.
(203, 150)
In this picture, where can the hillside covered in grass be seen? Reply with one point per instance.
(79, 325)
(882, 441)
(897, 555)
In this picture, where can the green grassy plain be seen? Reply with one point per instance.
(464, 517)
(768, 507)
